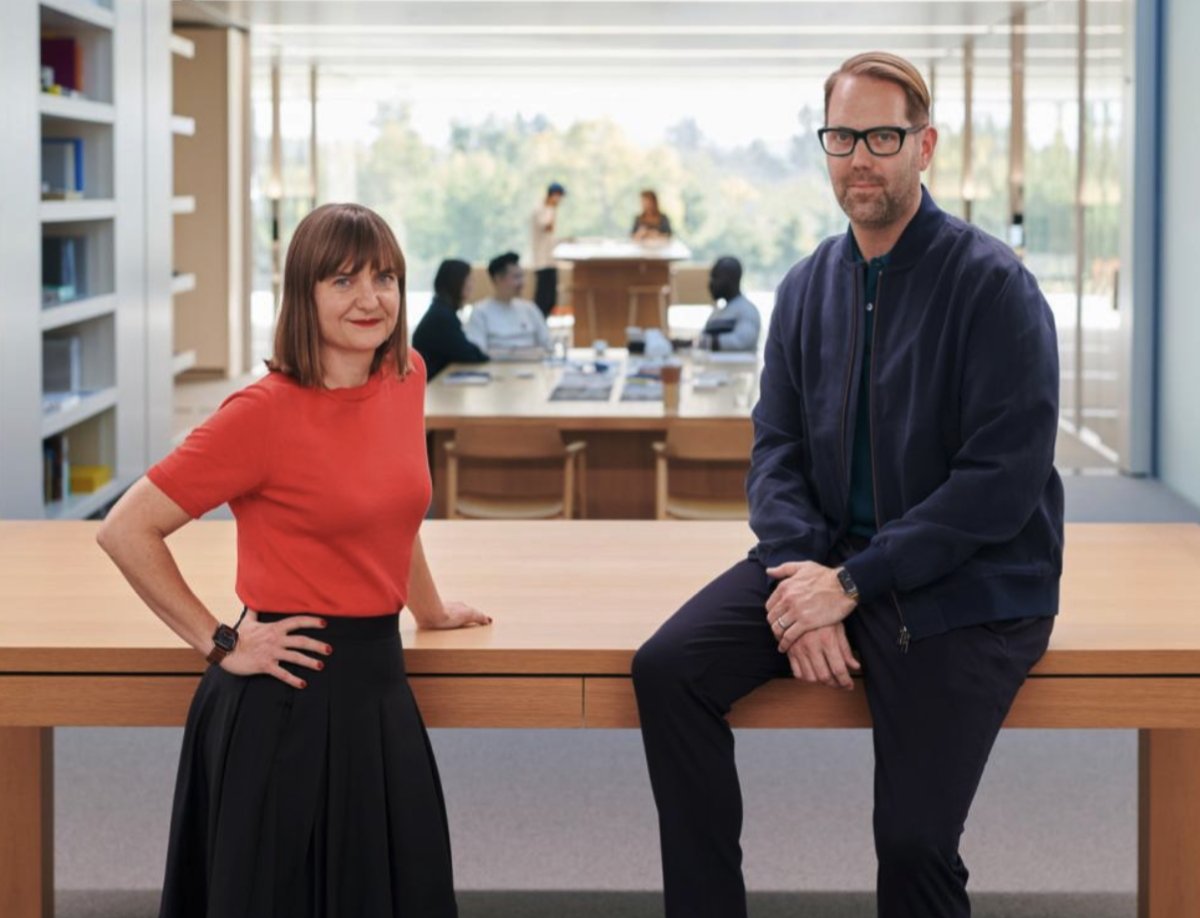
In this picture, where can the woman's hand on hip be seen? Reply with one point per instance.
(263, 647)
(456, 615)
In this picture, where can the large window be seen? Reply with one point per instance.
(457, 160)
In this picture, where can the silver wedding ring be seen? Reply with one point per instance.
(783, 625)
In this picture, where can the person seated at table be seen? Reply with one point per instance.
(651, 223)
(439, 337)
(504, 321)
(736, 325)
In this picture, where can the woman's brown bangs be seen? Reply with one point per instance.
(359, 240)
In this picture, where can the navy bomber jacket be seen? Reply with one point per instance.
(963, 418)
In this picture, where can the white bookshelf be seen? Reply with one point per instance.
(95, 322)
(73, 109)
(78, 211)
(78, 12)
(89, 406)
(77, 311)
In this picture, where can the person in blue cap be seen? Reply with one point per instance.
(544, 217)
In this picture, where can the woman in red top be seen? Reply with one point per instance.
(307, 787)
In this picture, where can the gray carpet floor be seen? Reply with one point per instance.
(144, 904)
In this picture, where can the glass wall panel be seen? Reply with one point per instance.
(1105, 124)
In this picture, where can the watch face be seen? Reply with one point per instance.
(847, 582)
(225, 638)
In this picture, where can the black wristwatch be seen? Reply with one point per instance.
(224, 642)
(849, 587)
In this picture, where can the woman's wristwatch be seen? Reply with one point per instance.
(224, 642)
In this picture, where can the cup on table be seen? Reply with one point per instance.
(671, 375)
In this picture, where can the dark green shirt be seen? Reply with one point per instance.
(862, 477)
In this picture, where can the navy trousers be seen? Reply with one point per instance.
(936, 710)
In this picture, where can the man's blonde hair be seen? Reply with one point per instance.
(891, 68)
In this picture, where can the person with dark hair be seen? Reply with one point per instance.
(651, 223)
(504, 321)
(735, 324)
(908, 517)
(306, 784)
(439, 337)
(545, 216)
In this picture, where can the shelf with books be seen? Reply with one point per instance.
(76, 60)
(82, 506)
(73, 312)
(76, 160)
(79, 468)
(77, 262)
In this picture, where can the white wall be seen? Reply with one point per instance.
(1179, 335)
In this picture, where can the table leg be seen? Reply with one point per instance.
(27, 822)
(1168, 823)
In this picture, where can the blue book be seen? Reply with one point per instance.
(62, 167)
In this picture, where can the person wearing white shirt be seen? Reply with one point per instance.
(736, 325)
(544, 217)
(505, 322)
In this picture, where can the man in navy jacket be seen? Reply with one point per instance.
(908, 516)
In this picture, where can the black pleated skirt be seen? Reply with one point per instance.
(322, 802)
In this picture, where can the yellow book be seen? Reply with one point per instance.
(88, 478)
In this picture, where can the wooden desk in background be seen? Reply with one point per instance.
(620, 459)
(572, 601)
(607, 273)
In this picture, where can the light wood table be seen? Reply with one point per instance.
(77, 648)
(610, 275)
(620, 459)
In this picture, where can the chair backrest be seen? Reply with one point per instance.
(709, 441)
(482, 283)
(508, 441)
(689, 284)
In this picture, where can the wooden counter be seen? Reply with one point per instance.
(572, 601)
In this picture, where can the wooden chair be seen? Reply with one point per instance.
(695, 442)
(689, 284)
(662, 295)
(509, 444)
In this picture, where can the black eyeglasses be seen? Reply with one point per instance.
(881, 141)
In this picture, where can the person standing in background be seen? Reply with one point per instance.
(651, 223)
(545, 216)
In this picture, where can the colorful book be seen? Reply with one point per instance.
(62, 168)
(62, 55)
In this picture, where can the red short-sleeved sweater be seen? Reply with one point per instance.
(328, 487)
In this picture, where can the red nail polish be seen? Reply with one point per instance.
(328, 650)
(303, 684)
(320, 665)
